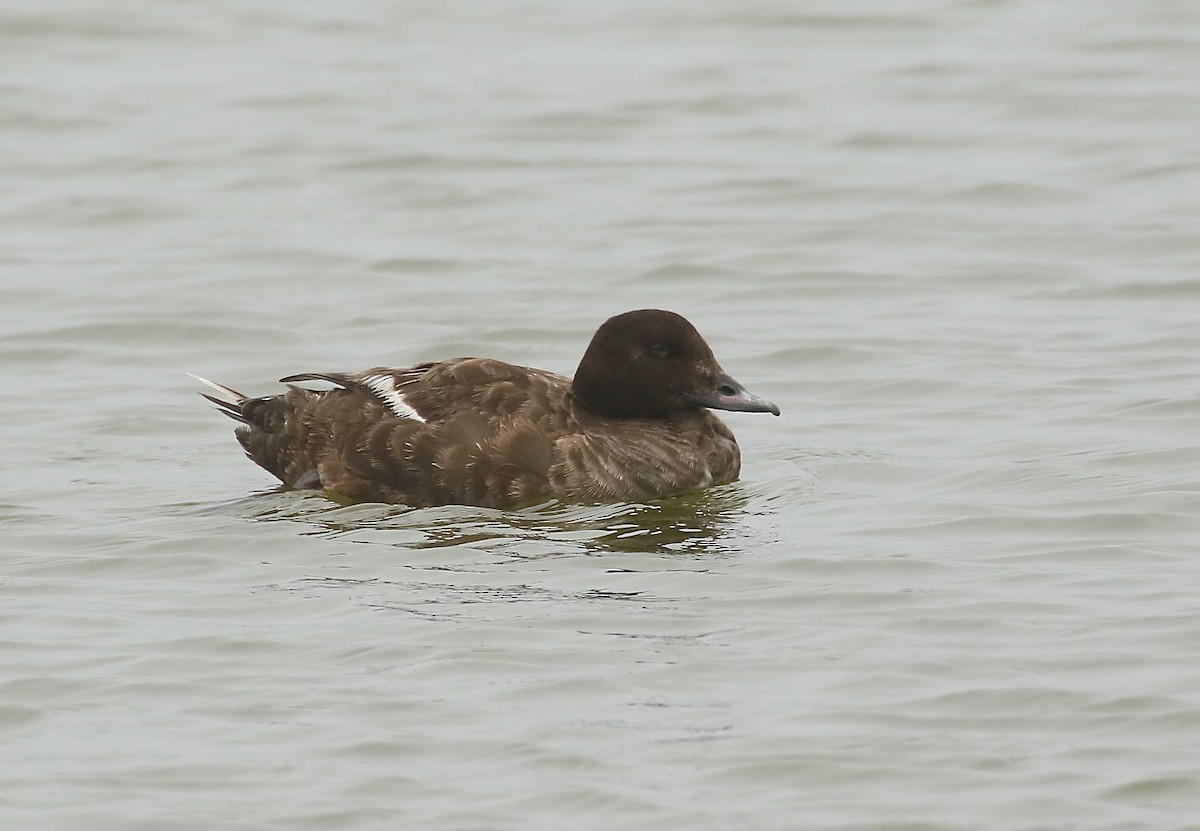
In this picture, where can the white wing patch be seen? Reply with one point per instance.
(384, 386)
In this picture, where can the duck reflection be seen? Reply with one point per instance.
(698, 523)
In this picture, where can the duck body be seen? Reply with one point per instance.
(634, 424)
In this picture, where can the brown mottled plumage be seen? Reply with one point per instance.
(633, 424)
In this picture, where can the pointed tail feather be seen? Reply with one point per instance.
(233, 408)
(221, 388)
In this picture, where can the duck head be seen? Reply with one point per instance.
(651, 363)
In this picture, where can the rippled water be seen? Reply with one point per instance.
(956, 587)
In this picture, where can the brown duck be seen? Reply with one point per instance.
(633, 424)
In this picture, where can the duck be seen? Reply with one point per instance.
(635, 423)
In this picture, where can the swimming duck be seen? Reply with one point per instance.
(635, 423)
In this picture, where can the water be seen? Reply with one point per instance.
(955, 241)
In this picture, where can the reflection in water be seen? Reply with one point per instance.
(450, 582)
(692, 523)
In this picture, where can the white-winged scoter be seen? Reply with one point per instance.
(633, 424)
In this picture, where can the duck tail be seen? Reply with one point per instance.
(230, 405)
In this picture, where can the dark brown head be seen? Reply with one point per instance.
(650, 364)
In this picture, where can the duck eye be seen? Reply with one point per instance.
(659, 350)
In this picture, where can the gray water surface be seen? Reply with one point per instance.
(955, 240)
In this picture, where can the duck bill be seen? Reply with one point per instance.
(730, 395)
